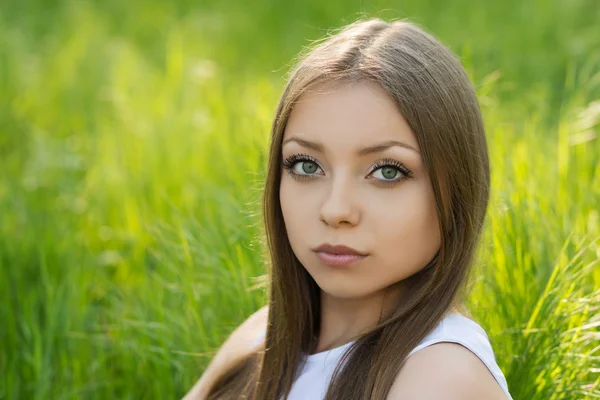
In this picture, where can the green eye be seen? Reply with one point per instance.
(388, 172)
(309, 166)
(392, 171)
(312, 167)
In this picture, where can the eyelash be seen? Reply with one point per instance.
(291, 161)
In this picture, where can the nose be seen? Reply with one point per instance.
(340, 206)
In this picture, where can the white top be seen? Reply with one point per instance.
(313, 379)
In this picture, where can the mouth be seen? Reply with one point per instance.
(339, 249)
(339, 260)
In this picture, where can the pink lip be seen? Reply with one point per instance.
(338, 260)
(338, 249)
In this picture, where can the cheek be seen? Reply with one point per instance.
(407, 234)
(294, 209)
(289, 201)
(299, 201)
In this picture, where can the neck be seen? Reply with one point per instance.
(344, 319)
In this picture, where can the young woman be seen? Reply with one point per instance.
(375, 196)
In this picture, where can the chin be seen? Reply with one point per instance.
(342, 290)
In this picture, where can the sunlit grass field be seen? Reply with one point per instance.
(133, 138)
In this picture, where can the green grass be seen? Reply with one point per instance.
(132, 151)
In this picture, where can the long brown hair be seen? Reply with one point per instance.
(434, 94)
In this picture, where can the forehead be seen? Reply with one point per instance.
(351, 115)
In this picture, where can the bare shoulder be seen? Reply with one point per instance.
(237, 345)
(246, 333)
(445, 370)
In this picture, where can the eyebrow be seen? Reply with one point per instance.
(367, 150)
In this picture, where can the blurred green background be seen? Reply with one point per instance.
(133, 137)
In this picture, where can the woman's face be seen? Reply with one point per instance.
(379, 202)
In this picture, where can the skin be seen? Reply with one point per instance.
(343, 203)
(446, 371)
(344, 200)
